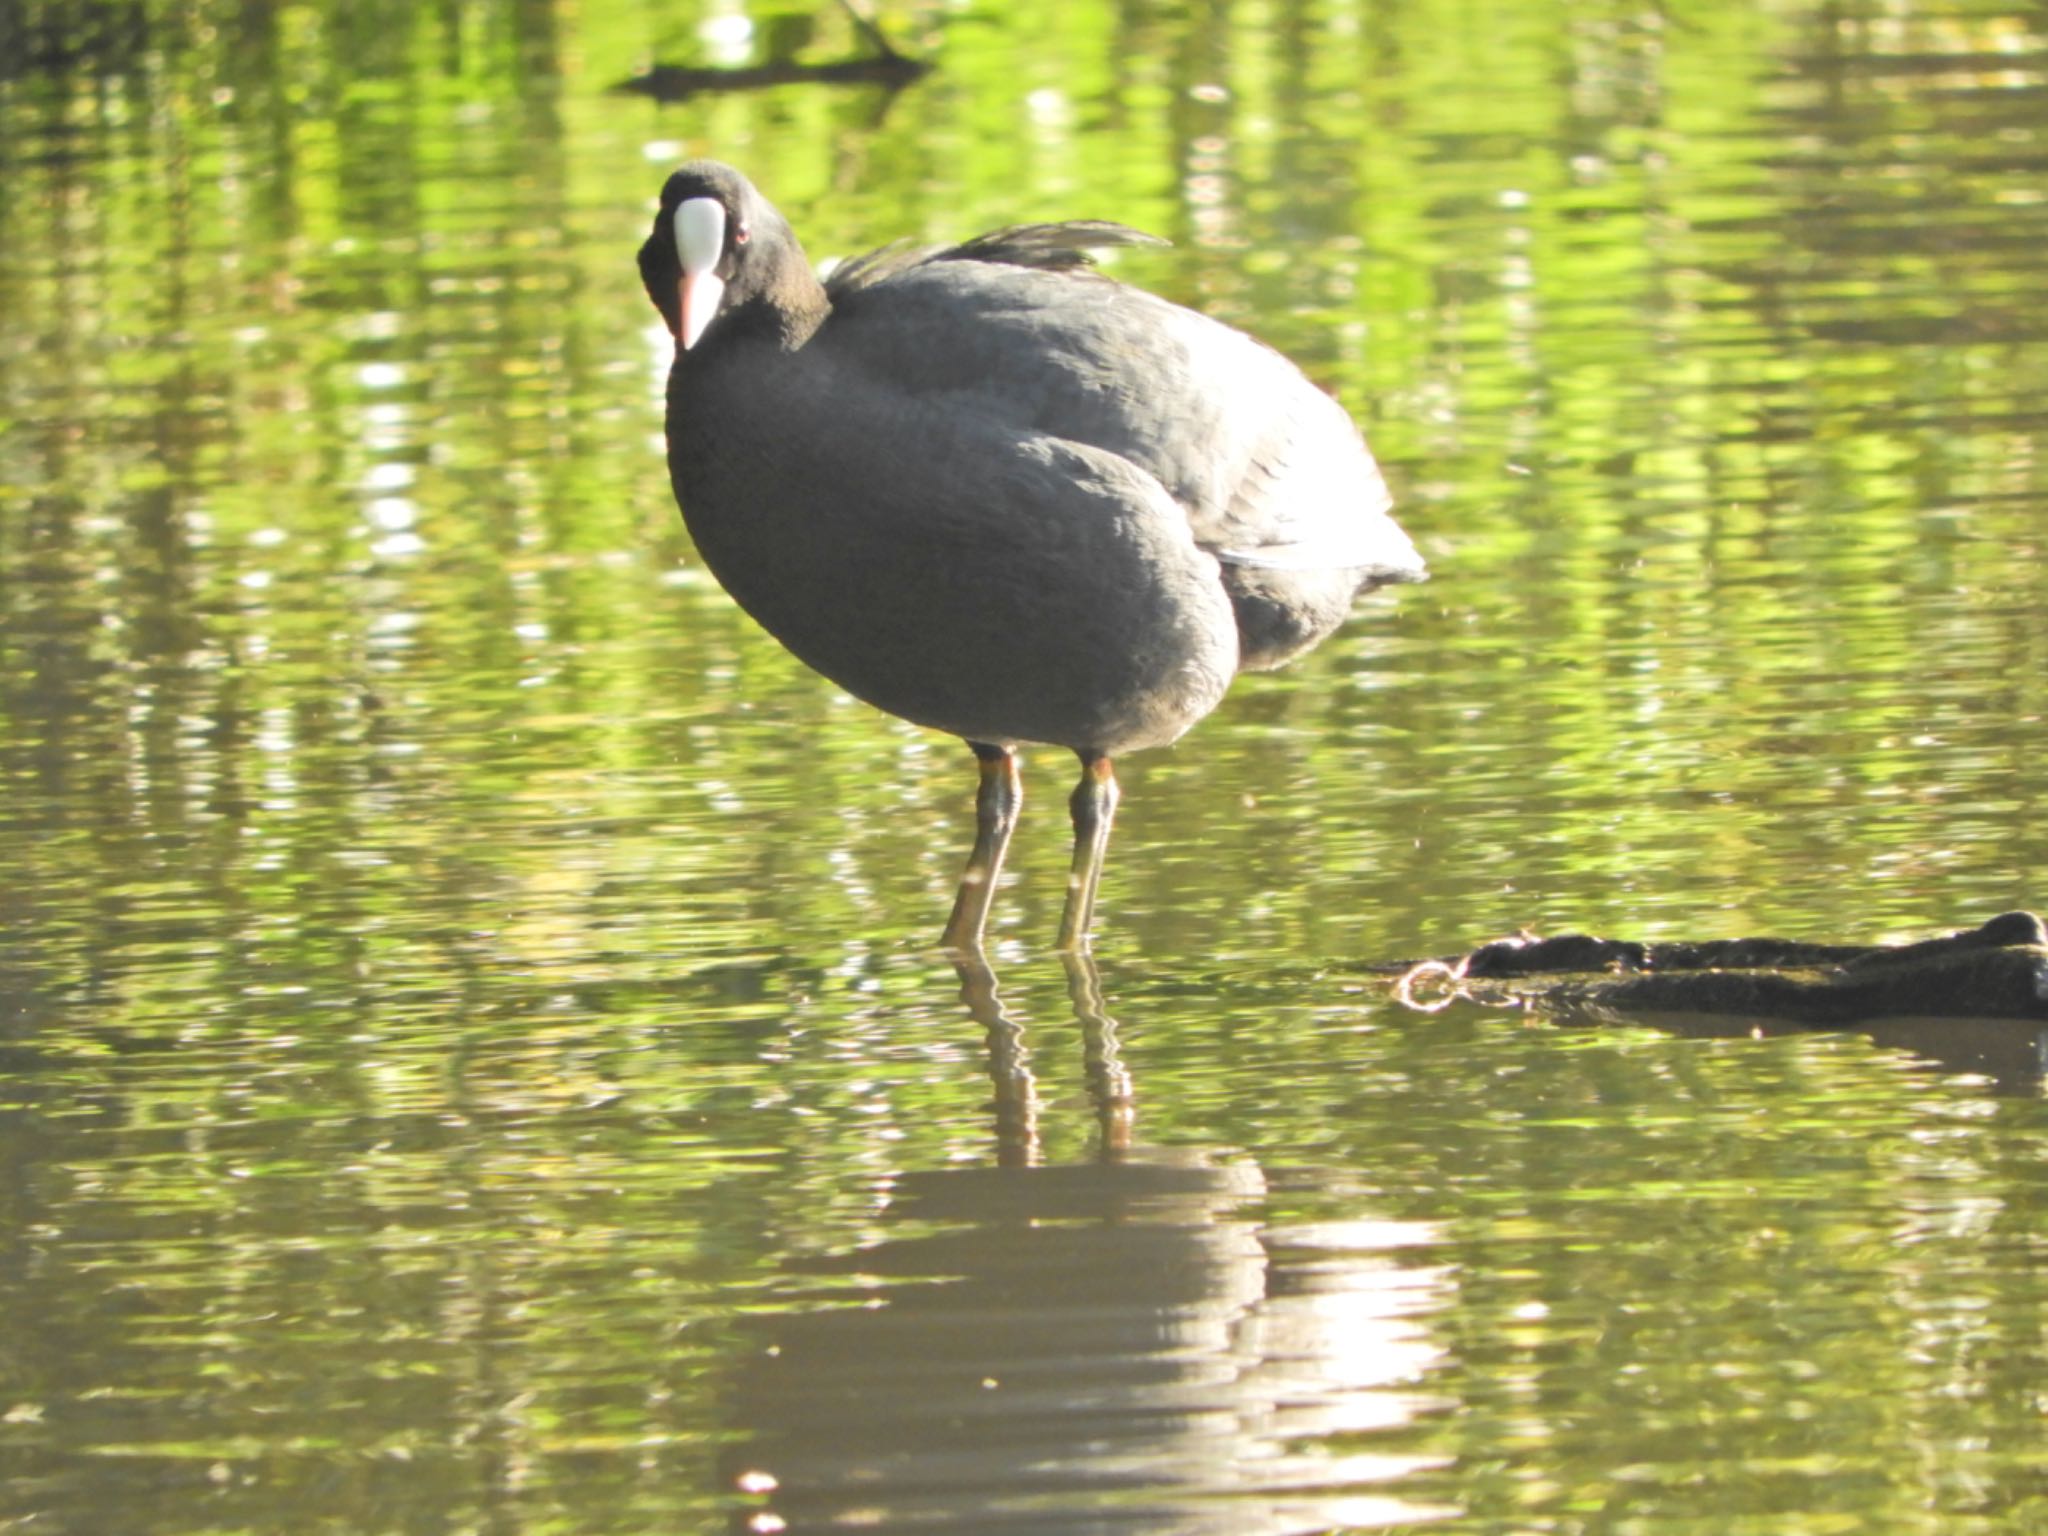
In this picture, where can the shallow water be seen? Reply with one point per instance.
(470, 1053)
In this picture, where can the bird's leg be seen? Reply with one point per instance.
(1094, 807)
(996, 805)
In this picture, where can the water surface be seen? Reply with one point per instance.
(470, 1053)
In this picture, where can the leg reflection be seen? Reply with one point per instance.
(1009, 1062)
(1009, 1059)
(1109, 1082)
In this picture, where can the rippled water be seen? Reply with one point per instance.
(470, 1053)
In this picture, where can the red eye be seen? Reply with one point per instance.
(739, 236)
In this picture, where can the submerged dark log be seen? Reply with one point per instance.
(1997, 971)
(679, 82)
(885, 67)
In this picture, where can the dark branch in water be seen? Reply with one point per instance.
(888, 68)
(1973, 1001)
(1998, 971)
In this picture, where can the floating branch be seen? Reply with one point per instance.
(887, 67)
(1998, 971)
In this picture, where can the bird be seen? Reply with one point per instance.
(994, 491)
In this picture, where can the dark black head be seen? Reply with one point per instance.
(720, 252)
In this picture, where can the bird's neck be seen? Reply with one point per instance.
(793, 301)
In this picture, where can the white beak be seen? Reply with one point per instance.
(700, 241)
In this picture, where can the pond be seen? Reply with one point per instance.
(473, 1055)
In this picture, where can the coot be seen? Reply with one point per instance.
(994, 492)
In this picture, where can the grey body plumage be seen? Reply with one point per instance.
(997, 493)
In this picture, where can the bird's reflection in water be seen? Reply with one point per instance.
(1120, 1345)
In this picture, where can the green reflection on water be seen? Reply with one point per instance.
(460, 995)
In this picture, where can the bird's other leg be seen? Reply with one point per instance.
(1094, 807)
(996, 805)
